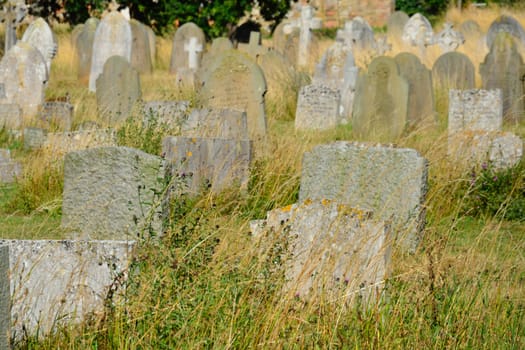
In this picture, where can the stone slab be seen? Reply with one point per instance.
(317, 108)
(10, 116)
(475, 109)
(216, 123)
(5, 304)
(9, 169)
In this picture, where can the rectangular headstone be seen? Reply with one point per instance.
(60, 143)
(55, 283)
(56, 115)
(317, 108)
(475, 110)
(201, 163)
(218, 123)
(5, 298)
(392, 182)
(10, 116)
(165, 113)
(34, 138)
(112, 193)
(9, 169)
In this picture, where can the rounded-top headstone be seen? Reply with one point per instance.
(40, 35)
(112, 37)
(470, 29)
(505, 24)
(418, 31)
(182, 52)
(84, 48)
(140, 48)
(395, 25)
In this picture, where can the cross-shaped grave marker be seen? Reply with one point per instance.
(305, 35)
(193, 48)
(254, 48)
(12, 15)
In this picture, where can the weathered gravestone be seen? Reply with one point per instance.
(118, 90)
(112, 193)
(358, 35)
(12, 16)
(418, 32)
(112, 37)
(197, 164)
(380, 102)
(470, 30)
(218, 46)
(10, 116)
(334, 252)
(503, 69)
(40, 36)
(60, 143)
(280, 36)
(396, 24)
(254, 48)
(280, 77)
(306, 24)
(5, 298)
(420, 96)
(34, 138)
(55, 115)
(392, 182)
(165, 114)
(140, 48)
(508, 25)
(449, 39)
(233, 81)
(216, 123)
(23, 75)
(9, 169)
(188, 47)
(152, 40)
(84, 48)
(475, 110)
(55, 284)
(317, 108)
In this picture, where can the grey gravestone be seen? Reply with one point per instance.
(111, 193)
(254, 49)
(56, 115)
(12, 16)
(475, 110)
(218, 46)
(24, 75)
(395, 25)
(419, 78)
(389, 181)
(234, 81)
(317, 108)
(201, 163)
(449, 39)
(40, 35)
(60, 143)
(508, 25)
(380, 102)
(75, 32)
(330, 71)
(34, 138)
(10, 116)
(140, 48)
(503, 69)
(358, 35)
(188, 47)
(5, 298)
(470, 29)
(60, 283)
(168, 114)
(306, 24)
(216, 123)
(418, 32)
(9, 169)
(112, 37)
(280, 37)
(84, 48)
(118, 90)
(333, 251)
(152, 40)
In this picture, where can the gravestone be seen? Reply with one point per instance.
(280, 36)
(12, 16)
(188, 47)
(470, 30)
(40, 36)
(358, 35)
(9, 169)
(140, 48)
(334, 252)
(330, 70)
(279, 74)
(216, 123)
(233, 81)
(396, 24)
(380, 102)
(317, 108)
(84, 48)
(503, 69)
(219, 45)
(57, 284)
(306, 24)
(418, 32)
(165, 114)
(10, 116)
(118, 90)
(351, 72)
(112, 193)
(508, 25)
(75, 32)
(475, 110)
(5, 298)
(254, 49)
(56, 115)
(391, 182)
(152, 40)
(449, 39)
(60, 143)
(34, 138)
(112, 37)
(419, 79)
(24, 76)
(207, 163)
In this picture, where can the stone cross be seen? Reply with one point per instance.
(254, 47)
(193, 47)
(448, 39)
(305, 36)
(12, 14)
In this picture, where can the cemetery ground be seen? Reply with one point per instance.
(207, 283)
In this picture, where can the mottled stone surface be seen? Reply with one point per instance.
(317, 108)
(5, 297)
(56, 283)
(34, 138)
(111, 193)
(10, 170)
(40, 36)
(380, 102)
(84, 48)
(55, 115)
(60, 143)
(141, 56)
(507, 24)
(10, 116)
(449, 39)
(418, 31)
(170, 114)
(335, 252)
(453, 70)
(184, 55)
(396, 24)
(198, 164)
(216, 123)
(358, 35)
(392, 182)
(112, 37)
(475, 110)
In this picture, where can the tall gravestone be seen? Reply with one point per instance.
(508, 25)
(140, 48)
(396, 23)
(503, 68)
(188, 47)
(420, 96)
(391, 182)
(40, 35)
(418, 32)
(118, 89)
(306, 24)
(235, 81)
(112, 37)
(23, 78)
(358, 35)
(381, 101)
(84, 48)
